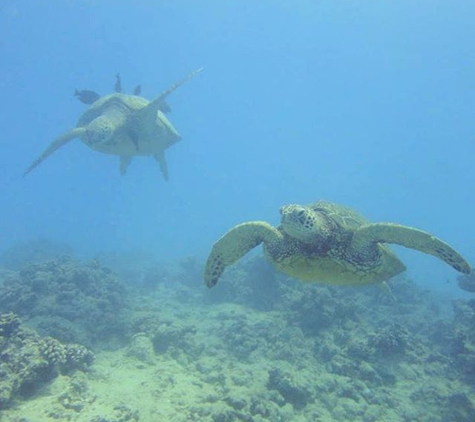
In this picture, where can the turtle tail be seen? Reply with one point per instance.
(55, 145)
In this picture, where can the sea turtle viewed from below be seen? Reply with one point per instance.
(329, 243)
(123, 125)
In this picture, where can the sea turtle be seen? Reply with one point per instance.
(123, 125)
(327, 242)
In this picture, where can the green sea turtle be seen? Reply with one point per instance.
(327, 242)
(123, 125)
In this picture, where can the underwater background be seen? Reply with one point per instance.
(364, 103)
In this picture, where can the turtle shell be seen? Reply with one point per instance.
(108, 103)
(346, 218)
(123, 112)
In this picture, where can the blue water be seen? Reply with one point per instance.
(370, 104)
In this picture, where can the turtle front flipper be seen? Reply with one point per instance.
(368, 235)
(157, 103)
(55, 145)
(236, 243)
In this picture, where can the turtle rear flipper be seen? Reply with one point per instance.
(236, 243)
(369, 234)
(162, 162)
(124, 163)
(55, 145)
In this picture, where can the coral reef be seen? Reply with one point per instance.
(259, 347)
(462, 339)
(363, 343)
(390, 341)
(295, 388)
(28, 361)
(252, 283)
(73, 302)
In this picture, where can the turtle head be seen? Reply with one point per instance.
(99, 131)
(303, 223)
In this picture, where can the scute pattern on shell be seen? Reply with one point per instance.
(345, 217)
(127, 103)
